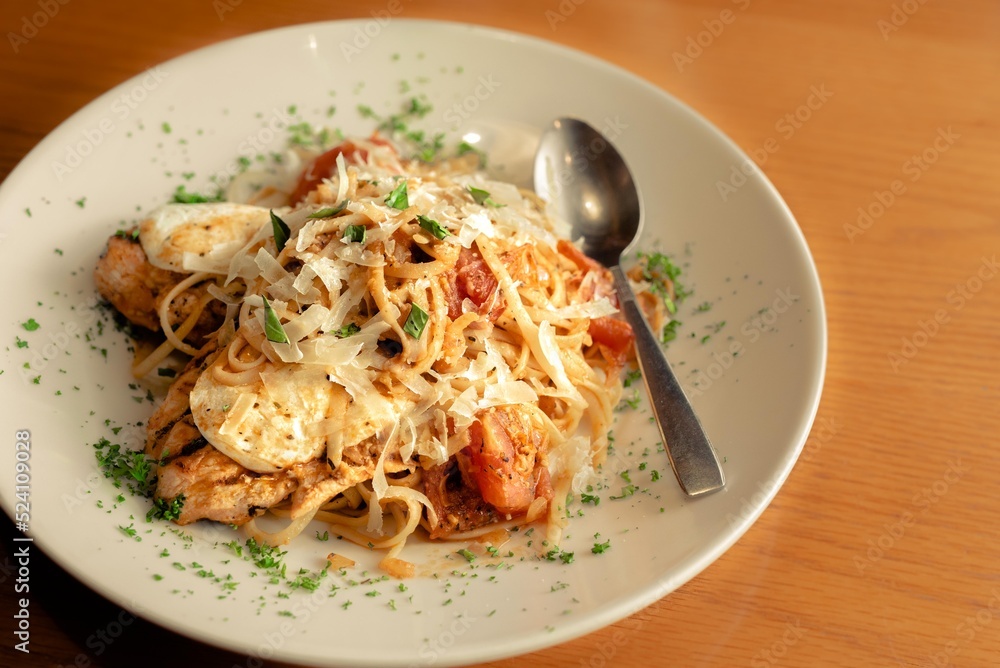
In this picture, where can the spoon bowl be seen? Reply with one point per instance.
(581, 174)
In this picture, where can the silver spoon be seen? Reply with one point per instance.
(583, 176)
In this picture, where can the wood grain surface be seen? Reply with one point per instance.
(882, 548)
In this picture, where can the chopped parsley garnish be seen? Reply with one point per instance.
(601, 548)
(21, 343)
(416, 321)
(483, 198)
(325, 536)
(397, 125)
(670, 331)
(125, 466)
(30, 325)
(590, 498)
(305, 581)
(418, 108)
(429, 150)
(264, 556)
(355, 233)
(166, 128)
(469, 556)
(133, 235)
(627, 491)
(347, 330)
(81, 202)
(433, 227)
(168, 510)
(329, 211)
(662, 274)
(631, 377)
(398, 198)
(129, 531)
(300, 134)
(182, 196)
(556, 553)
(465, 147)
(703, 307)
(630, 402)
(273, 330)
(281, 231)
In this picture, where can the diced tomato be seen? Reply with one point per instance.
(472, 279)
(615, 336)
(326, 164)
(321, 168)
(578, 257)
(503, 455)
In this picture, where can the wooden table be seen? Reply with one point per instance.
(882, 548)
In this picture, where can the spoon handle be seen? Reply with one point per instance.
(691, 454)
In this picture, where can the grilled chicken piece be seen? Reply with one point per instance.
(171, 430)
(135, 287)
(214, 486)
(319, 483)
(217, 488)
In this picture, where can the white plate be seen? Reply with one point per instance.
(745, 255)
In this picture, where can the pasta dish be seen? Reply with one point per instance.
(377, 343)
